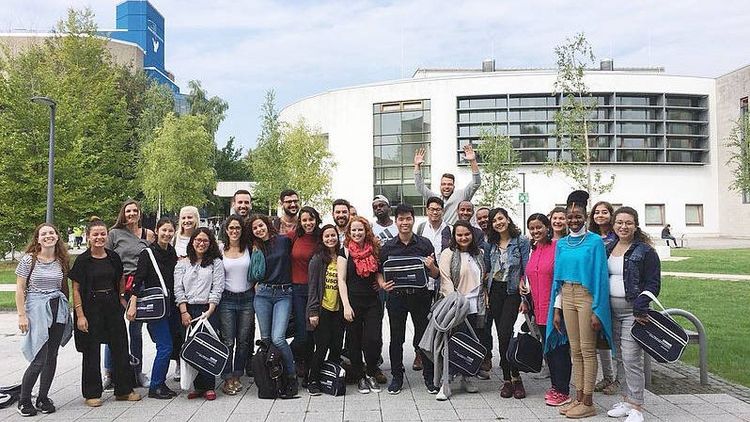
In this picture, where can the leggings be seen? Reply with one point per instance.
(504, 310)
(45, 361)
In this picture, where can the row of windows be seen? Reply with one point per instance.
(612, 142)
(654, 215)
(635, 100)
(496, 116)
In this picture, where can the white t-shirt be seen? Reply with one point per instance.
(616, 282)
(384, 233)
(180, 245)
(473, 296)
(235, 273)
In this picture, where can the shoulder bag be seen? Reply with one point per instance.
(661, 337)
(203, 350)
(465, 352)
(525, 349)
(405, 272)
(152, 303)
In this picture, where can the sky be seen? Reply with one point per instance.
(241, 49)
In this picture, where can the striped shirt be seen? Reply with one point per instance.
(46, 277)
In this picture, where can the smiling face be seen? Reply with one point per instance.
(538, 231)
(260, 230)
(341, 215)
(463, 237)
(97, 237)
(405, 223)
(575, 218)
(242, 204)
(330, 238)
(357, 231)
(500, 223)
(290, 205)
(625, 227)
(602, 217)
(165, 233)
(559, 222)
(187, 222)
(201, 244)
(132, 214)
(434, 212)
(234, 231)
(308, 222)
(465, 211)
(483, 219)
(447, 186)
(47, 237)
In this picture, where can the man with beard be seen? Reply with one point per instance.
(384, 228)
(242, 203)
(465, 212)
(289, 201)
(483, 220)
(340, 215)
(448, 192)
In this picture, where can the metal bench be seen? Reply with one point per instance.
(694, 337)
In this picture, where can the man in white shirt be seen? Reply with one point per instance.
(432, 229)
(384, 228)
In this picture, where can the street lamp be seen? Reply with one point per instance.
(524, 198)
(51, 163)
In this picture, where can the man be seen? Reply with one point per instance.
(448, 193)
(383, 228)
(666, 234)
(289, 201)
(352, 211)
(340, 216)
(242, 204)
(465, 212)
(404, 301)
(483, 220)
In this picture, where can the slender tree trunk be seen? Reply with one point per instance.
(588, 154)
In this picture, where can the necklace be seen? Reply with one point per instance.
(583, 238)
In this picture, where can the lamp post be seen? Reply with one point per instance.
(51, 163)
(524, 198)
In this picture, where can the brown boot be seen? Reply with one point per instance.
(565, 408)
(581, 411)
(518, 391)
(417, 365)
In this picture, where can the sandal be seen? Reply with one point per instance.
(228, 388)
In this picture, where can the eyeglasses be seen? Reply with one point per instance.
(234, 228)
(430, 209)
(199, 241)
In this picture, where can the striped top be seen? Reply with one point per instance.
(46, 277)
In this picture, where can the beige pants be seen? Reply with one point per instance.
(576, 307)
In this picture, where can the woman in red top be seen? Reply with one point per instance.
(539, 272)
(304, 245)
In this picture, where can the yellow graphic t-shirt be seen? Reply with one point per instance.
(331, 289)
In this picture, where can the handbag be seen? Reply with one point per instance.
(405, 272)
(332, 378)
(257, 269)
(525, 349)
(465, 352)
(661, 337)
(268, 368)
(152, 303)
(203, 350)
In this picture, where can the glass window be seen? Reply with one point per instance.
(638, 155)
(411, 122)
(376, 124)
(390, 155)
(684, 156)
(684, 129)
(390, 123)
(695, 115)
(639, 142)
(694, 214)
(654, 214)
(482, 103)
(691, 101)
(692, 143)
(464, 117)
(637, 114)
(532, 101)
(601, 155)
(637, 100)
(638, 128)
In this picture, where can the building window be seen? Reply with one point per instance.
(399, 129)
(694, 214)
(654, 214)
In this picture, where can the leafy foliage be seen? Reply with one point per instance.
(212, 109)
(229, 163)
(499, 164)
(738, 143)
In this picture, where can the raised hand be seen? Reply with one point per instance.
(469, 153)
(419, 157)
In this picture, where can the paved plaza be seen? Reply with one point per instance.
(413, 404)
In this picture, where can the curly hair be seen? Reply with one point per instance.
(369, 235)
(473, 246)
(493, 237)
(211, 253)
(639, 234)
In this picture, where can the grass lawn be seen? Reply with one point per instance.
(8, 272)
(720, 261)
(722, 308)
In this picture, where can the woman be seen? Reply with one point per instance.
(42, 305)
(634, 267)
(462, 270)
(236, 312)
(305, 239)
(198, 285)
(324, 317)
(188, 221)
(505, 256)
(273, 295)
(600, 222)
(558, 222)
(580, 294)
(127, 239)
(146, 276)
(357, 268)
(539, 272)
(96, 278)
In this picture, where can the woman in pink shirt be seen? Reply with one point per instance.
(539, 272)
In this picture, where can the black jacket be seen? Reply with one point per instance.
(641, 271)
(145, 275)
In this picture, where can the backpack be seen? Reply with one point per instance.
(332, 378)
(9, 395)
(268, 370)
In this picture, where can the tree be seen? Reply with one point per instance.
(308, 163)
(229, 164)
(499, 164)
(738, 144)
(572, 120)
(212, 109)
(271, 176)
(176, 163)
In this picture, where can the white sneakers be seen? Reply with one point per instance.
(441, 396)
(635, 415)
(468, 385)
(622, 409)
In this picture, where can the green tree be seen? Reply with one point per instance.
(308, 163)
(738, 144)
(499, 164)
(158, 102)
(229, 164)
(267, 157)
(572, 120)
(212, 109)
(176, 164)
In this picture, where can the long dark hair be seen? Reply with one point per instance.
(318, 221)
(120, 223)
(323, 249)
(244, 235)
(257, 242)
(592, 224)
(473, 246)
(542, 219)
(493, 237)
(212, 252)
(639, 235)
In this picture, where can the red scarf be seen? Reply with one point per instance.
(364, 259)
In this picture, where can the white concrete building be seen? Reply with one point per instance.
(659, 134)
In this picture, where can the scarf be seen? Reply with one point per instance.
(455, 276)
(364, 259)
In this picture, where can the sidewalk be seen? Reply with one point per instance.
(413, 404)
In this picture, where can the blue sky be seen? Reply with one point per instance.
(239, 49)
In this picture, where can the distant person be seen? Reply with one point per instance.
(383, 227)
(340, 213)
(448, 192)
(465, 212)
(557, 218)
(71, 238)
(352, 211)
(242, 204)
(482, 215)
(289, 201)
(78, 232)
(666, 234)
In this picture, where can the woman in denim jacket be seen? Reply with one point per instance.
(634, 267)
(506, 254)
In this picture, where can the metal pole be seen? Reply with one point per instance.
(51, 165)
(523, 188)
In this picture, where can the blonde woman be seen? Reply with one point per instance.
(188, 222)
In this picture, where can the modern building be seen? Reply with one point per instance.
(660, 135)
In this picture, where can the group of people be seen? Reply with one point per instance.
(580, 276)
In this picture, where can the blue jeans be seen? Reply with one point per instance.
(273, 303)
(302, 345)
(135, 333)
(237, 319)
(162, 336)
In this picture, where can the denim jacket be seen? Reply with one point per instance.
(641, 271)
(518, 256)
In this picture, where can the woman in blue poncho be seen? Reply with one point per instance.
(580, 293)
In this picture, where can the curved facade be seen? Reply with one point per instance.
(657, 133)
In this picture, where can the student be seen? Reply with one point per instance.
(340, 214)
(188, 221)
(383, 227)
(357, 269)
(127, 238)
(242, 204)
(146, 276)
(634, 267)
(43, 316)
(465, 212)
(483, 220)
(403, 302)
(198, 286)
(580, 294)
(666, 234)
(273, 295)
(462, 270)
(324, 310)
(557, 218)
(448, 192)
(289, 202)
(506, 254)
(539, 271)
